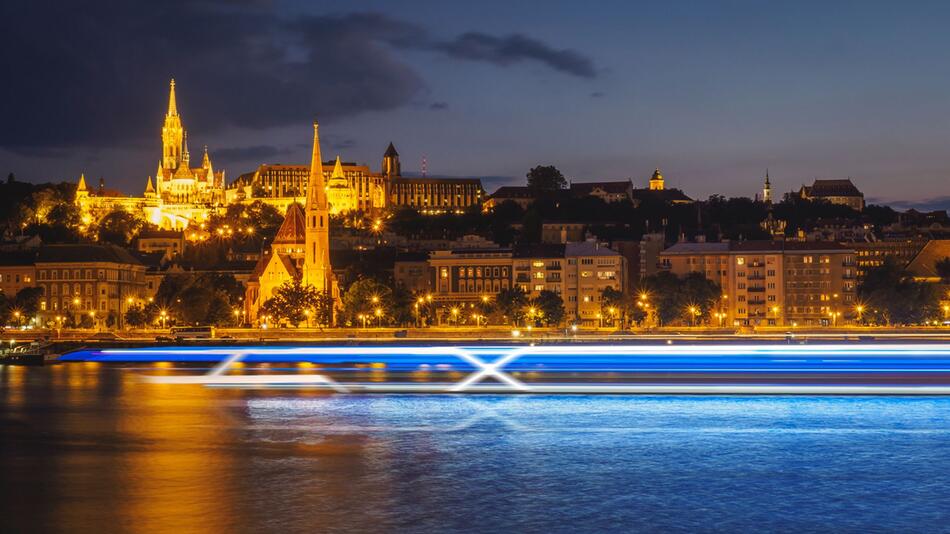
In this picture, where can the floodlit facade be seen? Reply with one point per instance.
(179, 196)
(773, 283)
(301, 247)
(99, 281)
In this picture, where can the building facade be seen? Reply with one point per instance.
(99, 281)
(577, 272)
(436, 195)
(773, 283)
(179, 196)
(281, 185)
(17, 271)
(300, 249)
(841, 192)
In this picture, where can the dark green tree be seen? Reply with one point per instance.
(28, 300)
(119, 227)
(512, 303)
(544, 180)
(363, 298)
(673, 296)
(549, 308)
(892, 297)
(293, 302)
(135, 317)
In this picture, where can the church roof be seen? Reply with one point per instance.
(391, 151)
(586, 188)
(289, 265)
(833, 188)
(924, 264)
(293, 229)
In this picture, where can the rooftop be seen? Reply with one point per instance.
(833, 188)
(586, 188)
(85, 254)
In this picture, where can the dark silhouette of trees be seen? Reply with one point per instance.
(673, 296)
(891, 297)
(549, 309)
(511, 304)
(544, 180)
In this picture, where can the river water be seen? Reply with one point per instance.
(88, 447)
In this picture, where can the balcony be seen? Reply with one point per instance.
(756, 289)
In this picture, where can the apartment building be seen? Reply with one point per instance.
(578, 272)
(95, 280)
(774, 283)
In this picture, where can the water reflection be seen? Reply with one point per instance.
(91, 448)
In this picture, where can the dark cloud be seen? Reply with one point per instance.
(339, 143)
(597, 94)
(516, 48)
(250, 153)
(95, 74)
(439, 105)
(931, 204)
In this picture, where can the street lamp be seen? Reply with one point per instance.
(775, 310)
(859, 309)
(164, 316)
(693, 311)
(455, 315)
(379, 316)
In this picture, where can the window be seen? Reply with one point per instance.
(740, 261)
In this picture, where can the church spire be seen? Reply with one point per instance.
(337, 169)
(767, 189)
(316, 268)
(206, 160)
(391, 166)
(185, 155)
(172, 104)
(82, 183)
(149, 188)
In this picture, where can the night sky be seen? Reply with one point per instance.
(711, 92)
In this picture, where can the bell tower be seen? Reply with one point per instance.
(656, 181)
(391, 162)
(172, 133)
(316, 268)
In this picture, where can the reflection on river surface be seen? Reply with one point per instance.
(88, 447)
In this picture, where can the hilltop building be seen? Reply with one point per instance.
(841, 192)
(657, 191)
(180, 194)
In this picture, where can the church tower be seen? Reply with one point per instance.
(316, 267)
(767, 189)
(81, 190)
(172, 133)
(391, 162)
(656, 181)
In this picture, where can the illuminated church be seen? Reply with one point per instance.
(301, 247)
(180, 194)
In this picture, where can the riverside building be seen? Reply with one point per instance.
(773, 283)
